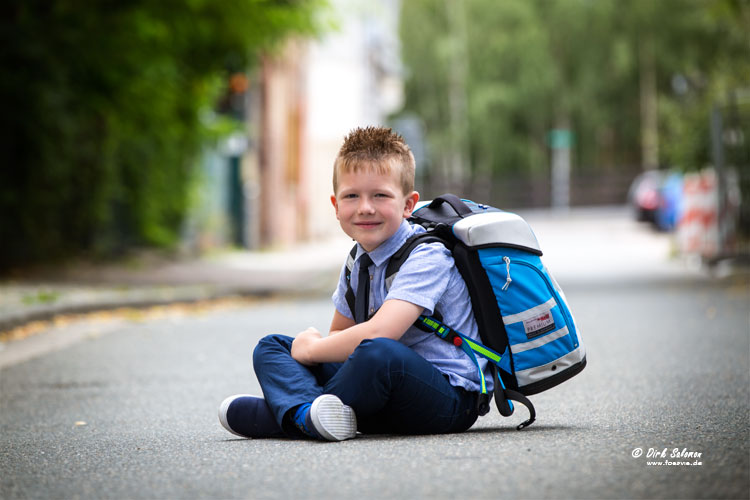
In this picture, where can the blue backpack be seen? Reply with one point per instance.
(527, 329)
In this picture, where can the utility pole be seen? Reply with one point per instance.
(458, 156)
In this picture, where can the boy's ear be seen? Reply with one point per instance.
(335, 205)
(411, 202)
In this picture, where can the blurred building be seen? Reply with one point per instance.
(270, 186)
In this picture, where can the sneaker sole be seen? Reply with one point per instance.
(223, 412)
(332, 419)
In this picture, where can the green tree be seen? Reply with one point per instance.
(104, 104)
(604, 69)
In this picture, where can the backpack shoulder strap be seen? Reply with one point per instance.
(400, 256)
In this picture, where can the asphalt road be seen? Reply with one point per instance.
(128, 410)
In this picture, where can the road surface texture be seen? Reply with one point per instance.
(127, 409)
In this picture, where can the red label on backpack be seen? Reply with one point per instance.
(538, 325)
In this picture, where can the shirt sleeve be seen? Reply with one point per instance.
(424, 277)
(339, 295)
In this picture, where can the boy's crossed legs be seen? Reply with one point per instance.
(391, 389)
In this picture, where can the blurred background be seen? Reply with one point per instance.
(204, 125)
(179, 154)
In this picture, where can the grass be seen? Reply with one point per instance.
(40, 297)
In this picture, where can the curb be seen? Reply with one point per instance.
(46, 313)
(90, 299)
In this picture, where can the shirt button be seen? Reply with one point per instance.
(371, 277)
(372, 310)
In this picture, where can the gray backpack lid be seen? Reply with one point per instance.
(496, 228)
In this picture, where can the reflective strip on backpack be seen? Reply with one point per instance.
(482, 350)
(539, 341)
(537, 373)
(530, 313)
(470, 347)
(465, 347)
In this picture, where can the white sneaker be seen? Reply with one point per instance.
(332, 419)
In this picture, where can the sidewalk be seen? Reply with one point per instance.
(306, 269)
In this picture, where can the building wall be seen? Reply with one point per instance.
(297, 108)
(280, 163)
(314, 93)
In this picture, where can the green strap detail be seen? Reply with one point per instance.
(432, 324)
(465, 347)
(483, 351)
(469, 346)
(442, 331)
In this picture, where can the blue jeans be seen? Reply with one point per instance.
(391, 388)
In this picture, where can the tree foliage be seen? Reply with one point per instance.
(104, 104)
(533, 66)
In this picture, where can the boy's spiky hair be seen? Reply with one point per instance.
(377, 148)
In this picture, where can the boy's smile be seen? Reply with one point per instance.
(370, 206)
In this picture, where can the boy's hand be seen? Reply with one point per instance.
(302, 345)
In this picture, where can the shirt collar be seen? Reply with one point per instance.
(386, 249)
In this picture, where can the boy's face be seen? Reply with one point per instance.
(370, 206)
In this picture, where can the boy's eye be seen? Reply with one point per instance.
(350, 196)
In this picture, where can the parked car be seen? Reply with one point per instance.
(644, 195)
(656, 197)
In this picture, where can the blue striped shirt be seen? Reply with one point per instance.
(429, 279)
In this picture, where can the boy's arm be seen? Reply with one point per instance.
(340, 323)
(391, 321)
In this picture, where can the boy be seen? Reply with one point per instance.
(375, 372)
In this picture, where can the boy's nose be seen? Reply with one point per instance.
(365, 205)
